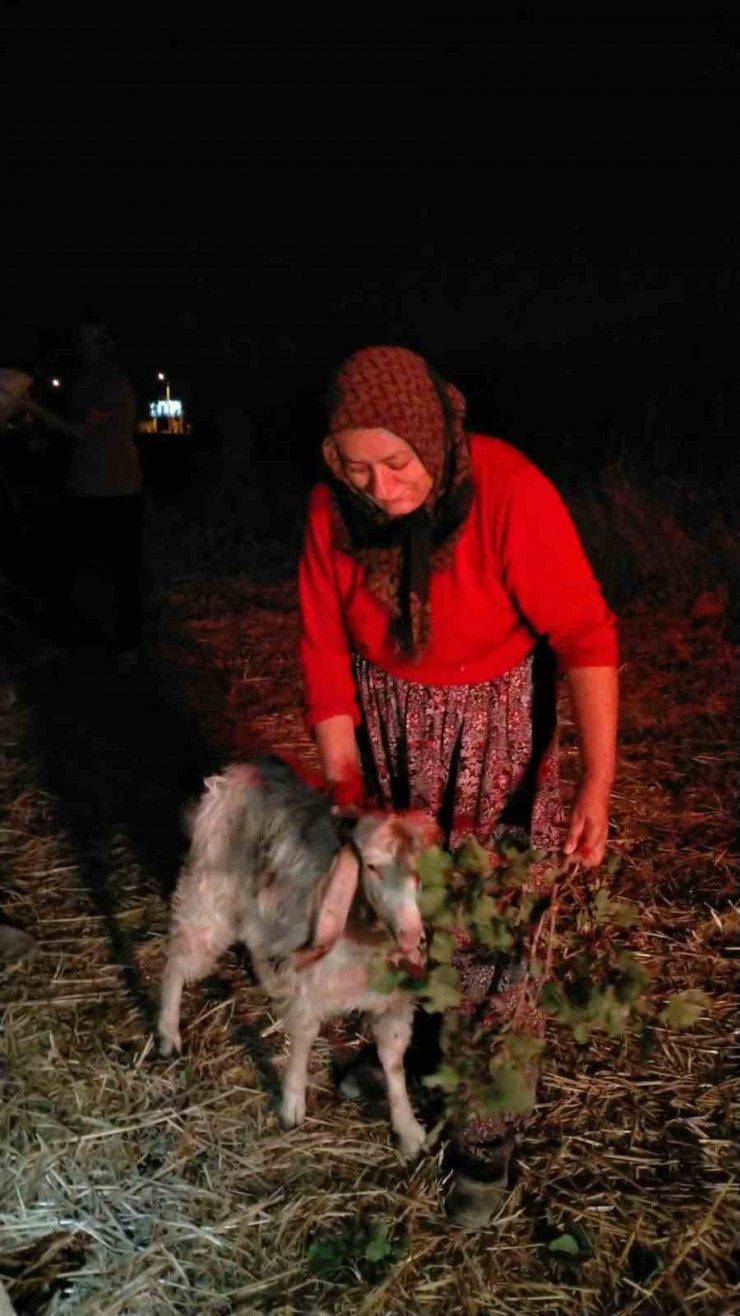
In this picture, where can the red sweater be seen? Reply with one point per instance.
(518, 572)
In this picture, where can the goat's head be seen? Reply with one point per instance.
(389, 846)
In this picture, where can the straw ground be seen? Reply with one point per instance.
(132, 1185)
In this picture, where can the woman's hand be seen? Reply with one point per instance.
(588, 825)
(335, 742)
(594, 700)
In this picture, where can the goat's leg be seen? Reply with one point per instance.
(392, 1031)
(302, 1033)
(193, 950)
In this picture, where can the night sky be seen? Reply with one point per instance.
(545, 206)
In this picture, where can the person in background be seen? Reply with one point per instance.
(441, 584)
(104, 485)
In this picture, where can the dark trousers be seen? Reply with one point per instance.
(106, 531)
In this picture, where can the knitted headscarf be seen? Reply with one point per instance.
(392, 388)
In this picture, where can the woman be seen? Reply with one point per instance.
(440, 577)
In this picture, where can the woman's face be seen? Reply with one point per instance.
(386, 468)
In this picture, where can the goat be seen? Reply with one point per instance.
(267, 866)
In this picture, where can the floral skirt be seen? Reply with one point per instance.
(481, 759)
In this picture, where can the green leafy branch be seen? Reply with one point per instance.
(564, 939)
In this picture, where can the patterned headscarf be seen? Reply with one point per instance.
(392, 388)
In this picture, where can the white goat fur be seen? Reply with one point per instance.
(262, 846)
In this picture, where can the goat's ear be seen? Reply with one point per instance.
(401, 838)
(331, 919)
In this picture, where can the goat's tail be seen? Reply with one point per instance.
(218, 820)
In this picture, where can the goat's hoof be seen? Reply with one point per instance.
(169, 1044)
(411, 1141)
(292, 1110)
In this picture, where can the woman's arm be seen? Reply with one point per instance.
(324, 650)
(548, 575)
(337, 747)
(594, 694)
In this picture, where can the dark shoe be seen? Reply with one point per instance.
(476, 1191)
(472, 1203)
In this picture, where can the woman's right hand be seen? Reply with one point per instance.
(335, 742)
(346, 795)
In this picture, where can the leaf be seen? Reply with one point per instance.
(484, 933)
(441, 991)
(512, 852)
(684, 1009)
(566, 1244)
(447, 1077)
(442, 948)
(581, 1033)
(552, 999)
(434, 867)
(326, 1256)
(513, 878)
(432, 901)
(615, 1017)
(377, 1250)
(470, 857)
(495, 935)
(444, 917)
(484, 909)
(383, 978)
(624, 913)
(536, 968)
(524, 912)
(510, 1090)
(378, 1246)
(632, 978)
(601, 905)
(613, 863)
(524, 1047)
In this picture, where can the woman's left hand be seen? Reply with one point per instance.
(588, 826)
(594, 698)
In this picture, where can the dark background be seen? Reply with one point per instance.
(542, 199)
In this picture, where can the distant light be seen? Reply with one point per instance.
(160, 375)
(166, 407)
(56, 383)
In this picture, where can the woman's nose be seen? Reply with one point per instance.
(382, 482)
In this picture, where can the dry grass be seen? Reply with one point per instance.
(133, 1185)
